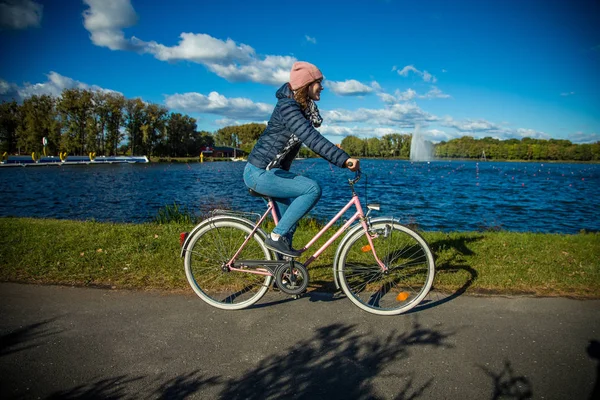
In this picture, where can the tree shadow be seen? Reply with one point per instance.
(337, 362)
(184, 386)
(507, 385)
(26, 337)
(119, 387)
(593, 351)
(108, 388)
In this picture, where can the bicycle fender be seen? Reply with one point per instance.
(210, 220)
(347, 237)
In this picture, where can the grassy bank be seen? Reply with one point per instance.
(147, 256)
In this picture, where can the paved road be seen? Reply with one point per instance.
(61, 342)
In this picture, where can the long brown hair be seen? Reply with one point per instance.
(301, 96)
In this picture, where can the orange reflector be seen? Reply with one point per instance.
(402, 296)
(366, 248)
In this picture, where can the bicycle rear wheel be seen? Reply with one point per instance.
(208, 252)
(410, 265)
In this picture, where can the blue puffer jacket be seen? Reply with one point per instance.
(288, 119)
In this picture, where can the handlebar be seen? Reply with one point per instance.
(357, 177)
(358, 173)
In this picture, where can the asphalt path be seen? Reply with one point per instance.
(63, 342)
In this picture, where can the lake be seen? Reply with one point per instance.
(439, 195)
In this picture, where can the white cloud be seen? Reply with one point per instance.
(469, 125)
(215, 103)
(54, 87)
(427, 77)
(351, 87)
(228, 122)
(20, 14)
(482, 128)
(435, 93)
(564, 94)
(396, 115)
(273, 70)
(407, 95)
(200, 48)
(106, 19)
(360, 131)
(310, 39)
(7, 89)
(410, 94)
(436, 135)
(584, 138)
(387, 98)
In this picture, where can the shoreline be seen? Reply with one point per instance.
(147, 257)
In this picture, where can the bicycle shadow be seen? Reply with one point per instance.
(454, 264)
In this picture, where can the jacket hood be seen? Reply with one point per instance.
(284, 92)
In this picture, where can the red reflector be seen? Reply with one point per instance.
(182, 237)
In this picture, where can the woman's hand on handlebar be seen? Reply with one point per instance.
(353, 164)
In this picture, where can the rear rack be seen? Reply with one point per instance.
(240, 214)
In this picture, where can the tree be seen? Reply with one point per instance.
(245, 136)
(135, 110)
(115, 118)
(180, 136)
(153, 129)
(38, 119)
(373, 147)
(75, 108)
(352, 145)
(9, 121)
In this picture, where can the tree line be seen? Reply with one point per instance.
(81, 121)
(398, 146)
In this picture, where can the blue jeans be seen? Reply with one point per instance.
(294, 195)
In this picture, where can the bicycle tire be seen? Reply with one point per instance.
(209, 249)
(409, 260)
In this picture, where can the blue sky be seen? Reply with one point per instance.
(505, 69)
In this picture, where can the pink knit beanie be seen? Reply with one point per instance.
(303, 73)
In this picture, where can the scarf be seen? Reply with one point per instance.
(311, 112)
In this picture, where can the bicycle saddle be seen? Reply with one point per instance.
(256, 194)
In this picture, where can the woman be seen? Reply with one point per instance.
(292, 123)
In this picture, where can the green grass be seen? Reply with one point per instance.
(146, 256)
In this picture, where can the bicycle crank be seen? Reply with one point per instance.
(292, 277)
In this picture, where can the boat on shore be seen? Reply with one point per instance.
(28, 161)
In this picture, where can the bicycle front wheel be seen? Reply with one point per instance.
(410, 273)
(205, 261)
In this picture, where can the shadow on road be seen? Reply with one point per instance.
(26, 337)
(509, 386)
(184, 386)
(109, 388)
(337, 362)
(593, 351)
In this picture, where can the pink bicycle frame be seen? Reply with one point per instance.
(359, 215)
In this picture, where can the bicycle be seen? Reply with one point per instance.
(382, 266)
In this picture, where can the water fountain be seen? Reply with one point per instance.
(420, 149)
